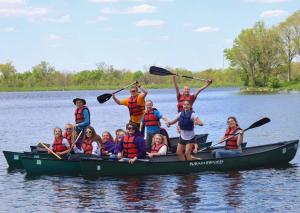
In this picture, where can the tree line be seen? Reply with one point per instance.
(263, 56)
(45, 76)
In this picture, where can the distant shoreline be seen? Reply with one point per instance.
(244, 90)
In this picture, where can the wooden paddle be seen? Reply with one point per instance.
(254, 125)
(163, 72)
(105, 97)
(50, 150)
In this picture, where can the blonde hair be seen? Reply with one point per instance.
(159, 135)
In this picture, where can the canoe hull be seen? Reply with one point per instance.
(34, 166)
(282, 154)
(14, 158)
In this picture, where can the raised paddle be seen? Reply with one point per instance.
(258, 123)
(163, 72)
(46, 147)
(106, 96)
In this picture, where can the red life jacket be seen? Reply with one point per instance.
(181, 98)
(155, 148)
(79, 114)
(150, 118)
(87, 146)
(129, 148)
(58, 145)
(68, 137)
(134, 108)
(232, 142)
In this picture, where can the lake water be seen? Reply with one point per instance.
(29, 117)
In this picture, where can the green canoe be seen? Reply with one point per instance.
(253, 157)
(14, 158)
(51, 166)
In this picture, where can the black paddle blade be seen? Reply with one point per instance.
(160, 71)
(103, 98)
(259, 123)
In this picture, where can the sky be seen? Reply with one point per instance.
(74, 35)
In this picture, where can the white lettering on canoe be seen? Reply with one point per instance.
(16, 157)
(283, 150)
(209, 162)
(98, 168)
(38, 162)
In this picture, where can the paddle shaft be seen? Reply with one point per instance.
(125, 87)
(50, 150)
(75, 141)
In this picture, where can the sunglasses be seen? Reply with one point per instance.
(88, 132)
(68, 129)
(133, 91)
(130, 128)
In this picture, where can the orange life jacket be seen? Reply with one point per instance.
(134, 108)
(232, 142)
(129, 148)
(79, 114)
(58, 145)
(150, 119)
(155, 148)
(181, 98)
(87, 146)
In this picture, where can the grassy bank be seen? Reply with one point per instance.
(286, 87)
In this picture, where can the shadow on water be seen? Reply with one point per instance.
(186, 191)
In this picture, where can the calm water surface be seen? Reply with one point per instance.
(29, 117)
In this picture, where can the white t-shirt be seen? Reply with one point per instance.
(163, 150)
(187, 134)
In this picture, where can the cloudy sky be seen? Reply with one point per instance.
(76, 34)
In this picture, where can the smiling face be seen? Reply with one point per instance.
(68, 129)
(57, 133)
(186, 90)
(105, 137)
(88, 133)
(149, 105)
(186, 106)
(130, 130)
(232, 122)
(133, 91)
(120, 135)
(157, 139)
(79, 104)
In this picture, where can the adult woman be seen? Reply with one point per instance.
(60, 144)
(187, 119)
(108, 144)
(69, 132)
(132, 146)
(158, 146)
(233, 144)
(90, 145)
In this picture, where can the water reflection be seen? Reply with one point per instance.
(232, 189)
(136, 192)
(187, 192)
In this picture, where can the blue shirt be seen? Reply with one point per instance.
(86, 120)
(153, 129)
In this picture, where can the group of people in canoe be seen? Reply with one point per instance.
(145, 122)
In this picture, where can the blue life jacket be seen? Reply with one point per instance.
(185, 121)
